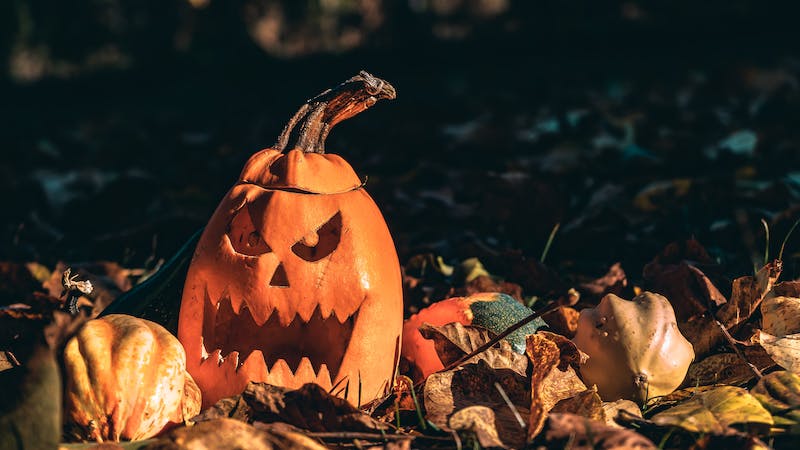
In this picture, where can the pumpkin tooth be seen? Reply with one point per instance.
(286, 317)
(280, 374)
(342, 316)
(203, 350)
(324, 377)
(216, 356)
(255, 363)
(305, 371)
(324, 312)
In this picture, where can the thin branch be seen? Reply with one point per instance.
(732, 342)
(510, 405)
(536, 314)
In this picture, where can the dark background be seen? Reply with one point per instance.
(631, 124)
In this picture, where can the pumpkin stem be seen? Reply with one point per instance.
(323, 112)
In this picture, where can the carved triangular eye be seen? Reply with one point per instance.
(327, 239)
(243, 235)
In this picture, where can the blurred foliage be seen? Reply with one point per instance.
(40, 38)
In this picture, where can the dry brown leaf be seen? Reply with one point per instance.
(727, 368)
(579, 433)
(779, 315)
(310, 407)
(474, 385)
(564, 321)
(611, 283)
(614, 409)
(485, 283)
(784, 350)
(230, 407)
(233, 434)
(480, 421)
(553, 376)
(747, 294)
(587, 404)
(700, 327)
(454, 340)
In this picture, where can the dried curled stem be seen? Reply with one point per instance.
(323, 112)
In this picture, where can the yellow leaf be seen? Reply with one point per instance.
(715, 410)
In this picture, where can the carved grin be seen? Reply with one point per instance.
(310, 349)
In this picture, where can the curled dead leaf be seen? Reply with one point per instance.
(474, 385)
(454, 340)
(587, 404)
(553, 376)
(480, 421)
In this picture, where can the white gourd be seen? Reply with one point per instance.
(635, 349)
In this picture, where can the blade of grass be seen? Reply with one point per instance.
(549, 242)
(783, 245)
(766, 238)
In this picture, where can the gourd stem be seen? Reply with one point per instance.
(321, 113)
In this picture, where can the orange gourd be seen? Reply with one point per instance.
(126, 380)
(295, 278)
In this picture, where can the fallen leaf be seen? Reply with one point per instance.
(564, 321)
(727, 368)
(30, 406)
(715, 410)
(474, 385)
(779, 315)
(615, 409)
(587, 404)
(230, 407)
(579, 433)
(553, 376)
(454, 340)
(747, 294)
(485, 283)
(471, 268)
(652, 196)
(779, 392)
(611, 283)
(233, 434)
(674, 274)
(16, 282)
(784, 350)
(310, 407)
(480, 421)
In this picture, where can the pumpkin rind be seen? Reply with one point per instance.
(126, 380)
(295, 278)
(635, 349)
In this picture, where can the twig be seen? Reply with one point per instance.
(536, 314)
(732, 342)
(510, 405)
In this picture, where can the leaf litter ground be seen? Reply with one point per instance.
(654, 181)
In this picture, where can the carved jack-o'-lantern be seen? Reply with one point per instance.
(296, 279)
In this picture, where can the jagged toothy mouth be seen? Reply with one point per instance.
(313, 348)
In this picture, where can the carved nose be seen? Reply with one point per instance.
(279, 278)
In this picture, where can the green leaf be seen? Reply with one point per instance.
(779, 392)
(715, 410)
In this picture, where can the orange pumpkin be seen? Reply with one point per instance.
(126, 379)
(296, 278)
